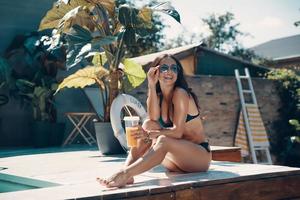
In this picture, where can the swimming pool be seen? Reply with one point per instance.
(11, 183)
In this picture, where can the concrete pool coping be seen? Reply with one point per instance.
(76, 169)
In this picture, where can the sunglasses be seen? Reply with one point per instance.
(164, 68)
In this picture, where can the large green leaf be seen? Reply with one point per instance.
(101, 18)
(79, 16)
(129, 37)
(140, 21)
(134, 72)
(145, 15)
(85, 77)
(168, 9)
(131, 17)
(99, 58)
(58, 11)
(127, 16)
(109, 5)
(25, 86)
(81, 42)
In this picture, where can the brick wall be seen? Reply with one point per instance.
(219, 101)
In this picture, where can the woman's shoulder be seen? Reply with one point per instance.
(180, 92)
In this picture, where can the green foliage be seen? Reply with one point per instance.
(184, 38)
(287, 127)
(149, 43)
(90, 27)
(28, 71)
(5, 71)
(224, 38)
(224, 31)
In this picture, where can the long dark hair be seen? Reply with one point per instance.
(180, 82)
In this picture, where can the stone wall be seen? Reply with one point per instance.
(220, 104)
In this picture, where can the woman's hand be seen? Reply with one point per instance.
(147, 136)
(153, 134)
(152, 76)
(139, 133)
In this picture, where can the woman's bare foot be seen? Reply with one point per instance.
(119, 179)
(130, 180)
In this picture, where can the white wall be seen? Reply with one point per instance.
(19, 17)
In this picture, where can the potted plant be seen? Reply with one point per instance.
(97, 33)
(30, 75)
(3, 97)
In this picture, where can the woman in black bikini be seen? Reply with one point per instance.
(173, 130)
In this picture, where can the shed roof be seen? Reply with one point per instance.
(186, 50)
(146, 59)
(279, 49)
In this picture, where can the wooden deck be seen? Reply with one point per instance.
(76, 170)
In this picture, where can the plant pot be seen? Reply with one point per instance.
(57, 134)
(41, 133)
(46, 134)
(107, 142)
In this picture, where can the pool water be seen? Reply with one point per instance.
(11, 183)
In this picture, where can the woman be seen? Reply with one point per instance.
(173, 130)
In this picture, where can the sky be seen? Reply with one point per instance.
(263, 20)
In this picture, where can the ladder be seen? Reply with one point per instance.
(251, 123)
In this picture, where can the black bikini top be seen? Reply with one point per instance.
(170, 123)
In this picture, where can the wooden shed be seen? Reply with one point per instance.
(199, 60)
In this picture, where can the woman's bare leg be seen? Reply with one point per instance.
(141, 148)
(178, 151)
(137, 152)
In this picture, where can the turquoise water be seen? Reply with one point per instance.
(11, 183)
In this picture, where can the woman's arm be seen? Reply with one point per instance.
(152, 100)
(181, 105)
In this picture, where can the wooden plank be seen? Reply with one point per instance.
(163, 196)
(265, 189)
(232, 154)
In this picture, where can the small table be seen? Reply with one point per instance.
(79, 120)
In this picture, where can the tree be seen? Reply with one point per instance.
(224, 38)
(184, 38)
(224, 32)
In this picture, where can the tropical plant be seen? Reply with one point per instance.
(4, 77)
(28, 71)
(97, 33)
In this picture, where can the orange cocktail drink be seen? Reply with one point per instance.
(131, 125)
(131, 141)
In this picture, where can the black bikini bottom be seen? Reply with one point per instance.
(205, 145)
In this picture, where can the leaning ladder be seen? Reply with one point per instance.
(254, 144)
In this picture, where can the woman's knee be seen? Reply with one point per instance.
(162, 139)
(150, 125)
(163, 142)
